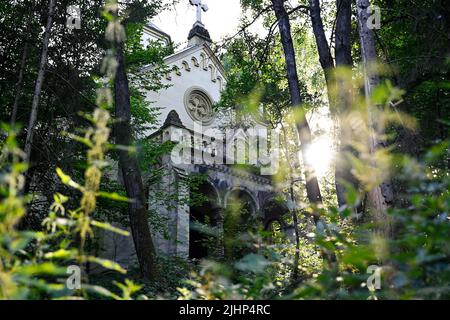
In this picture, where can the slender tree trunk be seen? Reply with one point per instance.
(131, 174)
(343, 55)
(293, 200)
(343, 45)
(304, 132)
(19, 85)
(39, 82)
(380, 197)
(323, 48)
(327, 63)
(295, 274)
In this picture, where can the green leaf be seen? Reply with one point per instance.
(108, 264)
(61, 254)
(67, 180)
(113, 196)
(20, 167)
(46, 268)
(100, 290)
(253, 263)
(82, 140)
(60, 198)
(109, 227)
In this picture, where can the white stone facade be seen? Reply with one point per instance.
(197, 75)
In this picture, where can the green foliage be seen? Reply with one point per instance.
(240, 225)
(54, 226)
(414, 264)
(32, 264)
(413, 41)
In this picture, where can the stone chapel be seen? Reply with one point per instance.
(195, 84)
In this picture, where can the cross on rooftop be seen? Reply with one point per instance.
(200, 6)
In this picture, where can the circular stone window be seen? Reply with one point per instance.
(199, 106)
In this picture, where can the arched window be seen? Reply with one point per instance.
(213, 73)
(220, 81)
(204, 61)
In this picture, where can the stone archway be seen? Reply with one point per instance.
(244, 196)
(240, 220)
(205, 223)
(274, 230)
(274, 209)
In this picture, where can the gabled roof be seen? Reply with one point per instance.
(173, 119)
(157, 31)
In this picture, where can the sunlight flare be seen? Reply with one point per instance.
(320, 155)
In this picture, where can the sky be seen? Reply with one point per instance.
(222, 19)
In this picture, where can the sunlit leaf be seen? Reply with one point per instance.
(109, 227)
(108, 264)
(113, 196)
(67, 179)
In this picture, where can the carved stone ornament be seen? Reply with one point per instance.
(199, 106)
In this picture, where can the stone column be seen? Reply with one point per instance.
(182, 220)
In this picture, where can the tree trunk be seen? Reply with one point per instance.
(39, 82)
(304, 132)
(343, 55)
(323, 48)
(19, 85)
(131, 174)
(295, 274)
(343, 45)
(380, 197)
(327, 63)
